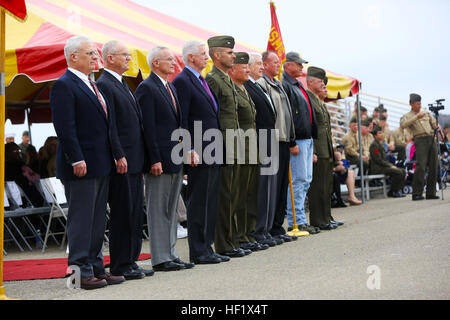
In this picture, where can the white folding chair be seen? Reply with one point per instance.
(54, 193)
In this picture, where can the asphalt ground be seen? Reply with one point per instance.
(387, 249)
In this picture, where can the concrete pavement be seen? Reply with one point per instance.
(387, 249)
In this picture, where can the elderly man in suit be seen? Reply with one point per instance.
(126, 191)
(85, 159)
(200, 107)
(266, 116)
(162, 115)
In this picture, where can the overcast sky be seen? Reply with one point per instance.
(393, 47)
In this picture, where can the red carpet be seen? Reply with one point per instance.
(42, 268)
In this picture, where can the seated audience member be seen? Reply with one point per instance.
(379, 164)
(16, 170)
(31, 158)
(47, 158)
(342, 174)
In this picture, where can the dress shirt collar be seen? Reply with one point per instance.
(251, 79)
(115, 74)
(195, 72)
(162, 80)
(79, 74)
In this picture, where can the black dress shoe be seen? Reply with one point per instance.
(338, 223)
(417, 197)
(288, 238)
(187, 265)
(395, 194)
(146, 272)
(211, 259)
(221, 257)
(168, 266)
(246, 251)
(261, 246)
(269, 242)
(247, 246)
(278, 240)
(432, 197)
(133, 274)
(234, 253)
(328, 226)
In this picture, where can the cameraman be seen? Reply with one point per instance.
(422, 125)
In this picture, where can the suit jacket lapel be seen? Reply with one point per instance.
(90, 94)
(199, 86)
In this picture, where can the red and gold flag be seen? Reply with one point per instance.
(275, 40)
(16, 8)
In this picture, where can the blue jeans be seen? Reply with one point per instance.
(301, 170)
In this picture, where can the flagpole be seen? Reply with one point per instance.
(2, 148)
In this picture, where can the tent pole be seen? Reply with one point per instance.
(2, 149)
(361, 163)
(29, 126)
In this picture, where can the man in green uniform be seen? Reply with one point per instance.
(379, 164)
(421, 124)
(222, 55)
(248, 169)
(319, 194)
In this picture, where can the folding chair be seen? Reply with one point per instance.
(53, 191)
(15, 195)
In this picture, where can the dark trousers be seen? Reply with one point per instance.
(202, 199)
(397, 176)
(267, 192)
(426, 158)
(86, 220)
(401, 152)
(126, 201)
(319, 194)
(224, 240)
(247, 209)
(282, 189)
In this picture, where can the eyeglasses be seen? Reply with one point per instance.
(126, 55)
(171, 59)
(89, 53)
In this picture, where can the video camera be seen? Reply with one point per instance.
(436, 107)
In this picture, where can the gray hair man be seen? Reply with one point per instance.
(84, 159)
(126, 191)
(284, 124)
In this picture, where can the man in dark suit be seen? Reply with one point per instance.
(126, 191)
(162, 115)
(200, 107)
(266, 116)
(84, 123)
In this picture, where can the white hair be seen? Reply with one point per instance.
(154, 54)
(109, 47)
(73, 44)
(191, 47)
(252, 56)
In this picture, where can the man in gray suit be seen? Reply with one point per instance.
(161, 115)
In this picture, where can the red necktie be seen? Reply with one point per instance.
(171, 95)
(99, 97)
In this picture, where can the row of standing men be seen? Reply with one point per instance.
(108, 136)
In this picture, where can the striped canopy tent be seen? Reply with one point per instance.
(35, 55)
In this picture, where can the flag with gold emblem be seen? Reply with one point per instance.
(275, 42)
